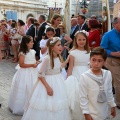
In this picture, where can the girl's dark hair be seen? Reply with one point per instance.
(13, 25)
(99, 51)
(21, 22)
(50, 29)
(23, 46)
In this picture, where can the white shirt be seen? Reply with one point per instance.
(89, 90)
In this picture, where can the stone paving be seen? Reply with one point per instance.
(7, 70)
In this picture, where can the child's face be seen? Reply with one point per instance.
(81, 41)
(97, 62)
(30, 44)
(50, 34)
(57, 48)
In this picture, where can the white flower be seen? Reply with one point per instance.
(85, 32)
(54, 40)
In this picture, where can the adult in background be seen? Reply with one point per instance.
(82, 23)
(14, 42)
(74, 29)
(42, 27)
(111, 43)
(65, 41)
(55, 21)
(31, 30)
(21, 29)
(94, 34)
(3, 43)
(41, 33)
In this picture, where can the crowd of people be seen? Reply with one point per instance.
(61, 76)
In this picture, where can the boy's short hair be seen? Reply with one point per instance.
(99, 51)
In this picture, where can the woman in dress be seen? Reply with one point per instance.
(21, 29)
(24, 78)
(49, 99)
(3, 43)
(55, 21)
(94, 33)
(65, 41)
(14, 42)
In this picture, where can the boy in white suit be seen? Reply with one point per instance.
(96, 88)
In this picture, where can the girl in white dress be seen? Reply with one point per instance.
(49, 99)
(24, 78)
(78, 64)
(50, 32)
(96, 95)
(79, 55)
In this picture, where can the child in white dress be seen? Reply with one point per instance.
(49, 99)
(79, 55)
(78, 64)
(24, 78)
(50, 32)
(96, 95)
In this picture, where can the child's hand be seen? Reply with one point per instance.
(35, 65)
(49, 91)
(113, 112)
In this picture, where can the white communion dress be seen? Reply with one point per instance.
(22, 84)
(42, 45)
(81, 62)
(41, 106)
(81, 65)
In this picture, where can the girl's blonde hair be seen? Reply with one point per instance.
(50, 44)
(54, 17)
(75, 45)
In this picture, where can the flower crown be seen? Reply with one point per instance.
(83, 31)
(54, 39)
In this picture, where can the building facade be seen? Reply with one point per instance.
(22, 9)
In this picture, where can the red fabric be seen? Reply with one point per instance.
(94, 36)
(5, 37)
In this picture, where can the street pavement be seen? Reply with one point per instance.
(7, 70)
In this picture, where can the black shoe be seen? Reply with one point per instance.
(0, 105)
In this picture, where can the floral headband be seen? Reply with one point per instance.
(54, 39)
(83, 31)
